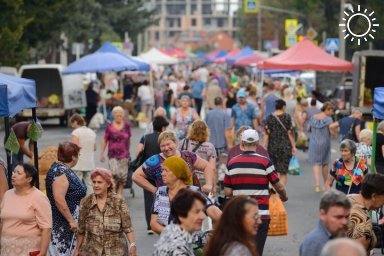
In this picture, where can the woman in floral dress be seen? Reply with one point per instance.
(279, 139)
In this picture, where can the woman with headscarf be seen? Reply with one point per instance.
(176, 176)
(98, 234)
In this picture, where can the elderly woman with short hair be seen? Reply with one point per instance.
(348, 170)
(117, 137)
(98, 235)
(151, 169)
(65, 191)
(364, 147)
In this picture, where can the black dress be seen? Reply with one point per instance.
(279, 146)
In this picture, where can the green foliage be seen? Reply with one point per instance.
(40, 24)
(12, 23)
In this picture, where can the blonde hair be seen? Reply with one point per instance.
(380, 127)
(167, 135)
(365, 134)
(198, 131)
(117, 109)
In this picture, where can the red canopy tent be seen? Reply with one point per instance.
(175, 53)
(305, 55)
(249, 60)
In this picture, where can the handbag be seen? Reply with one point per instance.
(279, 221)
(195, 179)
(135, 164)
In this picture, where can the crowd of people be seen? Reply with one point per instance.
(217, 133)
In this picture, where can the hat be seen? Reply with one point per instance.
(250, 136)
(180, 168)
(241, 94)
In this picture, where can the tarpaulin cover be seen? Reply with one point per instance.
(108, 47)
(378, 103)
(305, 55)
(16, 94)
(246, 51)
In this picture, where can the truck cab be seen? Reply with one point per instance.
(57, 95)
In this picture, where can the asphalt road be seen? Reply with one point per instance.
(302, 206)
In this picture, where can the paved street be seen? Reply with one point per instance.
(302, 205)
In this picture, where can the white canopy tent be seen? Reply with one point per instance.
(154, 56)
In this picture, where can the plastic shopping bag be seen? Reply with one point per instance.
(279, 220)
(294, 166)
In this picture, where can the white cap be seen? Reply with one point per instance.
(250, 136)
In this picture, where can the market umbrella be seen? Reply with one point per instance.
(101, 62)
(108, 47)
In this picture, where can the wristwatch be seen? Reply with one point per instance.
(133, 244)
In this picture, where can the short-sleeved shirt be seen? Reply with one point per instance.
(206, 151)
(104, 230)
(346, 123)
(87, 140)
(243, 117)
(23, 218)
(152, 166)
(250, 174)
(364, 151)
(236, 150)
(197, 88)
(118, 141)
(162, 205)
(218, 120)
(345, 178)
(360, 224)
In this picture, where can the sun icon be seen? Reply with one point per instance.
(363, 20)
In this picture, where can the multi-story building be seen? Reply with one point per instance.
(191, 22)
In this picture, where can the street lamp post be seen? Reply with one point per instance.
(341, 34)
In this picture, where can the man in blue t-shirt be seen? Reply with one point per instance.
(345, 124)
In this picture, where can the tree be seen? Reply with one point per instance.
(13, 21)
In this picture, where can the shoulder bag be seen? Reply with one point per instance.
(351, 133)
(133, 165)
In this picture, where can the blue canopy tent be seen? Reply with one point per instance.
(17, 94)
(100, 62)
(246, 51)
(108, 47)
(219, 55)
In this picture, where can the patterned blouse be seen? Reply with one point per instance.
(174, 241)
(104, 229)
(346, 178)
(152, 166)
(118, 141)
(364, 151)
(162, 205)
(360, 224)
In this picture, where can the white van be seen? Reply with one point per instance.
(57, 95)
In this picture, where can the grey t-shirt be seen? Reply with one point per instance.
(236, 249)
(218, 121)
